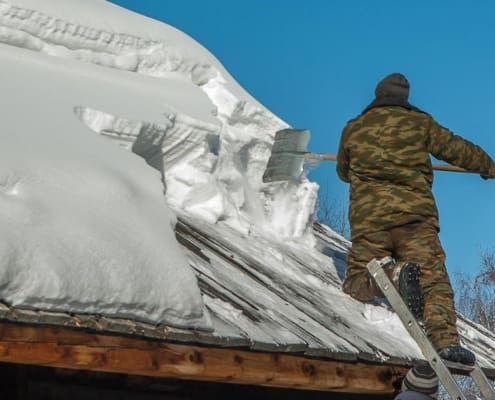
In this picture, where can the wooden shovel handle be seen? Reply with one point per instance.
(451, 168)
(436, 167)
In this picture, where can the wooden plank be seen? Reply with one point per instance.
(118, 326)
(70, 349)
(43, 334)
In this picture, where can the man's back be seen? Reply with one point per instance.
(384, 154)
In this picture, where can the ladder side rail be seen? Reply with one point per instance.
(375, 267)
(486, 388)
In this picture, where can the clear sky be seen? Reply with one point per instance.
(315, 64)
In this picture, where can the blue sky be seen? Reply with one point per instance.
(315, 64)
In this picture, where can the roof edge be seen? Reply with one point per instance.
(76, 349)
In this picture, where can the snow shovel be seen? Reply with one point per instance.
(289, 153)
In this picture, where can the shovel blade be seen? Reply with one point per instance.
(284, 167)
(287, 158)
(291, 141)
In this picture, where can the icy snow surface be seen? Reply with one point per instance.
(283, 296)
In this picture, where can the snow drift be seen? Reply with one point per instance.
(86, 226)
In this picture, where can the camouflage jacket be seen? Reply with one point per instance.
(385, 156)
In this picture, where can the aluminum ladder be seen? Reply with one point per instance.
(375, 267)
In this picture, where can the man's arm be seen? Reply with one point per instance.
(446, 146)
(343, 159)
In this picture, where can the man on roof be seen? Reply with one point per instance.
(384, 155)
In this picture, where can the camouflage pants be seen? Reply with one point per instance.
(418, 243)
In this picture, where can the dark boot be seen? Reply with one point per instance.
(410, 289)
(458, 357)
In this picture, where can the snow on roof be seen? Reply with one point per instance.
(80, 214)
(252, 305)
(88, 226)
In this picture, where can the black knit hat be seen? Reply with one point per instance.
(393, 85)
(421, 379)
(393, 90)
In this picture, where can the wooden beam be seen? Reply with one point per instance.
(72, 349)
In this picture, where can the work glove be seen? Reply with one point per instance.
(491, 173)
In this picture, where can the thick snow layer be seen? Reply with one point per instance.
(219, 180)
(85, 224)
